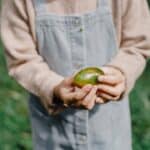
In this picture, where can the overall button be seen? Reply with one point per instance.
(83, 139)
(77, 21)
(81, 30)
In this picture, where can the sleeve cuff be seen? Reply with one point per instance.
(47, 94)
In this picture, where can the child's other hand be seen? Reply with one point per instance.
(66, 92)
(112, 84)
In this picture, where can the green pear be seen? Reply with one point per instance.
(87, 75)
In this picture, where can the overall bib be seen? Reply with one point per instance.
(69, 43)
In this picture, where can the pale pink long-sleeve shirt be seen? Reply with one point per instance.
(132, 24)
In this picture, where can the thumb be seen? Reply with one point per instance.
(69, 80)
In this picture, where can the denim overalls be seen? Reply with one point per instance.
(68, 43)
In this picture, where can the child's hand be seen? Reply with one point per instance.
(89, 100)
(66, 92)
(112, 84)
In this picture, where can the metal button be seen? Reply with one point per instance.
(83, 139)
(77, 21)
(81, 29)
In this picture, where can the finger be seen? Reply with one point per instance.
(112, 90)
(83, 91)
(109, 97)
(87, 87)
(110, 79)
(108, 70)
(74, 96)
(76, 89)
(90, 96)
(100, 100)
(71, 97)
(88, 106)
(91, 102)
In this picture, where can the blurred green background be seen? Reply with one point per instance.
(15, 131)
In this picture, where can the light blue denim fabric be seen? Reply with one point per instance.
(69, 43)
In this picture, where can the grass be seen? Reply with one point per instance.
(140, 109)
(15, 132)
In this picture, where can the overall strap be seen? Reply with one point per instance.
(40, 6)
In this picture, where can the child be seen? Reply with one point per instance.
(46, 42)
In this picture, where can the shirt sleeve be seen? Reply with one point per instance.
(23, 61)
(135, 42)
